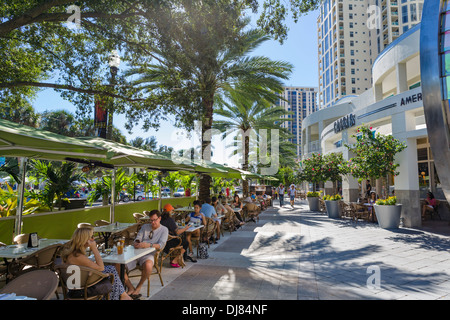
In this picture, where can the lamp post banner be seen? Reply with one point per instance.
(100, 118)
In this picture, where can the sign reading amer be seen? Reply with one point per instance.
(344, 123)
(411, 99)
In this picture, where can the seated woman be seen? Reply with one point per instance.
(74, 253)
(239, 205)
(430, 204)
(194, 217)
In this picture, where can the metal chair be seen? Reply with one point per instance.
(38, 284)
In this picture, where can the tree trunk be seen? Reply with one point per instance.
(205, 180)
(245, 165)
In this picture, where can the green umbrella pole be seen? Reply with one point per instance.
(113, 197)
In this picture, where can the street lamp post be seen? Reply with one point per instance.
(114, 63)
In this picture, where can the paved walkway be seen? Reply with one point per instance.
(296, 254)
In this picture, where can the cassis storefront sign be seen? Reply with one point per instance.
(344, 123)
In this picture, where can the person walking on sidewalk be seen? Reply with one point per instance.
(291, 192)
(280, 191)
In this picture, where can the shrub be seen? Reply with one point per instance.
(391, 201)
(312, 194)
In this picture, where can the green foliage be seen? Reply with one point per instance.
(335, 197)
(8, 203)
(391, 201)
(313, 194)
(374, 155)
(59, 179)
(313, 169)
(335, 166)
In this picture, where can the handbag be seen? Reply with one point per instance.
(202, 251)
(101, 288)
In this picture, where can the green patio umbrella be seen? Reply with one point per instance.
(18, 140)
(121, 155)
(26, 142)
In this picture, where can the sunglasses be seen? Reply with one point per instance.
(150, 236)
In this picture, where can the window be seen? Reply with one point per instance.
(405, 14)
(351, 34)
(412, 12)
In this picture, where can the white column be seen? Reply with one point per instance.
(402, 83)
(406, 184)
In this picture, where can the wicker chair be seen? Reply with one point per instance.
(129, 234)
(138, 217)
(347, 209)
(88, 278)
(228, 221)
(38, 284)
(251, 211)
(359, 212)
(21, 238)
(322, 206)
(84, 224)
(172, 253)
(41, 259)
(208, 230)
(99, 223)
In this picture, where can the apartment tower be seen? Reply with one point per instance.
(301, 101)
(351, 35)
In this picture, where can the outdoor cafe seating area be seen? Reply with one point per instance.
(24, 263)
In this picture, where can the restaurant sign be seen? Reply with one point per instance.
(344, 123)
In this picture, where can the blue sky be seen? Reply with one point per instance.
(300, 49)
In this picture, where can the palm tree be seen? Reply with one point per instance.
(245, 117)
(203, 55)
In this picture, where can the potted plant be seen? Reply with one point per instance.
(313, 200)
(312, 171)
(375, 157)
(333, 206)
(388, 212)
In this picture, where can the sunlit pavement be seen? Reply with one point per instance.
(296, 254)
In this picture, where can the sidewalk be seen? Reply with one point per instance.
(296, 254)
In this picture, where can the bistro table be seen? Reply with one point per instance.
(17, 251)
(130, 253)
(108, 229)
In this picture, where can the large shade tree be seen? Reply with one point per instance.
(204, 55)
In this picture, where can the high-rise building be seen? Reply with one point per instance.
(301, 101)
(351, 35)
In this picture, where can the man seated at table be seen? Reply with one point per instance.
(174, 230)
(151, 235)
(209, 211)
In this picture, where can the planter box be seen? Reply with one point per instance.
(313, 203)
(388, 216)
(333, 209)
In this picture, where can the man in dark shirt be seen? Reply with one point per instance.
(368, 189)
(174, 230)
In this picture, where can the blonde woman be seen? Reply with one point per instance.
(74, 253)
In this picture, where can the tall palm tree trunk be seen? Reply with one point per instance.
(245, 165)
(205, 180)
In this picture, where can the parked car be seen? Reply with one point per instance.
(179, 193)
(139, 196)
